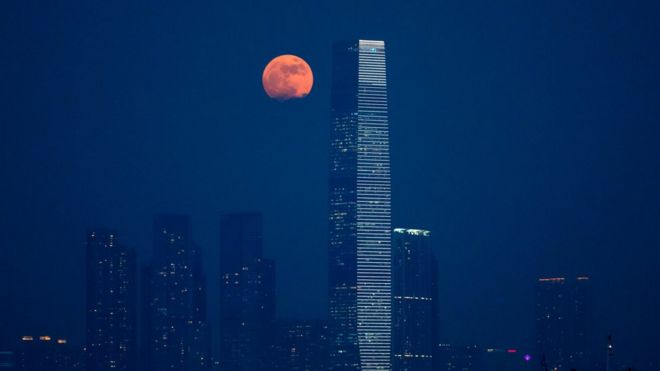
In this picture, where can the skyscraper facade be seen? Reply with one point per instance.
(359, 209)
(111, 310)
(414, 300)
(247, 295)
(562, 317)
(176, 334)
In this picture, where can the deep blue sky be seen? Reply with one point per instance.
(524, 135)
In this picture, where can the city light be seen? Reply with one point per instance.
(552, 279)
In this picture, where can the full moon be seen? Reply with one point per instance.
(286, 77)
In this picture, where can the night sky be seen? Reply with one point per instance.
(525, 135)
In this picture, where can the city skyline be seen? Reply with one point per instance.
(562, 312)
(523, 136)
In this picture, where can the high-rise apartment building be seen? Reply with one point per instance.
(247, 295)
(111, 309)
(176, 333)
(562, 317)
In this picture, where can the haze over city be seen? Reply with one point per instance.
(523, 136)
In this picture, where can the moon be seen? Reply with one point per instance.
(287, 77)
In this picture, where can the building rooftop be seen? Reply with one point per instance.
(414, 232)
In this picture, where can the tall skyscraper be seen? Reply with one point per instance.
(562, 316)
(247, 294)
(176, 333)
(359, 209)
(111, 309)
(414, 300)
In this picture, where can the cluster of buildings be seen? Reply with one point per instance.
(174, 333)
(382, 281)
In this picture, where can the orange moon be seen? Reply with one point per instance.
(286, 77)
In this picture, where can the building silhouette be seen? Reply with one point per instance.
(359, 209)
(562, 317)
(414, 300)
(7, 360)
(45, 353)
(176, 333)
(111, 303)
(452, 357)
(247, 294)
(507, 359)
(300, 345)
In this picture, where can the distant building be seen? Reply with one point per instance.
(46, 353)
(414, 300)
(507, 359)
(7, 360)
(176, 333)
(300, 345)
(451, 357)
(359, 208)
(247, 295)
(111, 311)
(562, 318)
